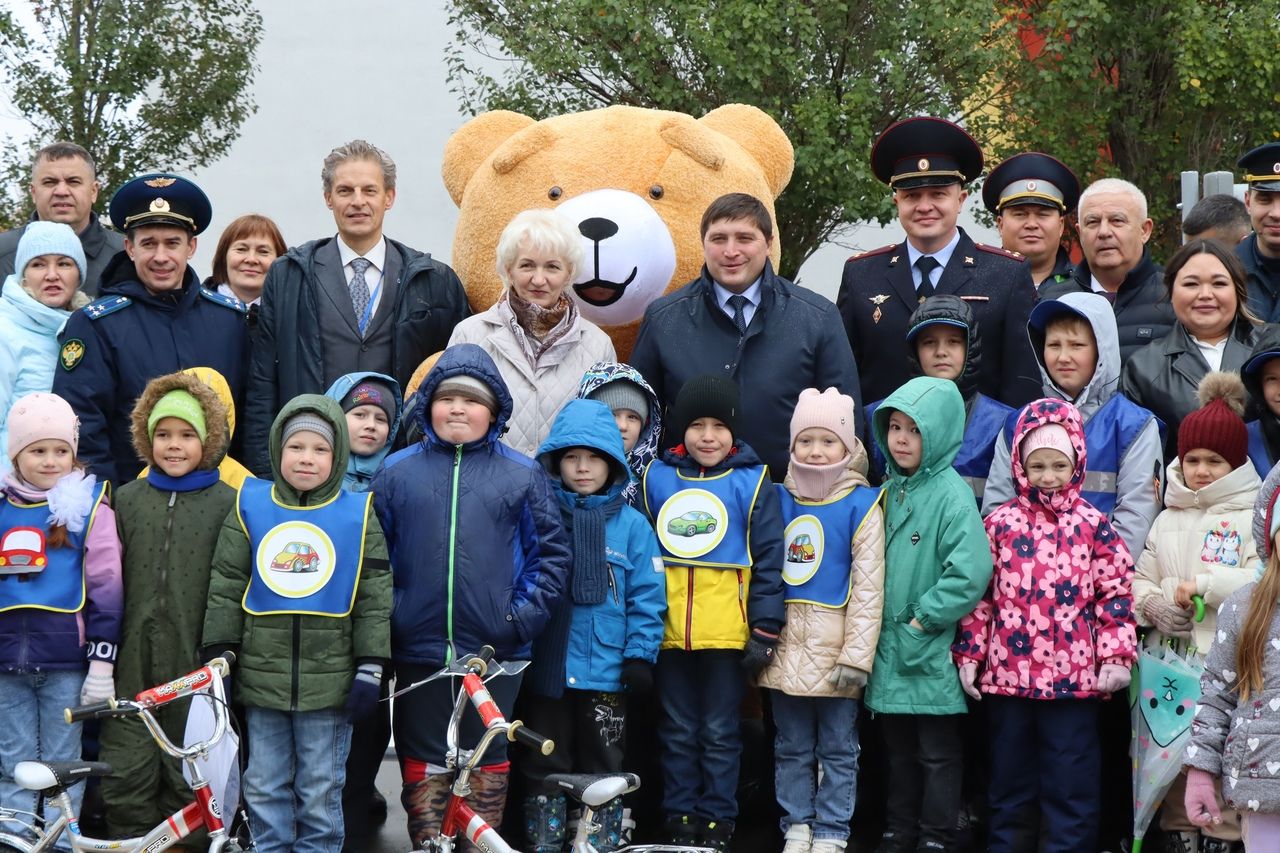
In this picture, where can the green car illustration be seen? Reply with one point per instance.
(692, 523)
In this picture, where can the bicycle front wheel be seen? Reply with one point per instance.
(14, 844)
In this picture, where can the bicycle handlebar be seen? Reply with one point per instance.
(518, 731)
(90, 712)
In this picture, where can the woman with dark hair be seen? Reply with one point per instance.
(1214, 331)
(245, 250)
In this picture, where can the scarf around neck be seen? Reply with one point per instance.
(586, 528)
(537, 328)
(192, 482)
(815, 482)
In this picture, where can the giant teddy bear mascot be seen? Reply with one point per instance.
(635, 181)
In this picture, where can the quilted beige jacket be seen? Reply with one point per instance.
(817, 638)
(537, 393)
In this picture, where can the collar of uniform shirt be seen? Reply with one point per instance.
(942, 256)
(752, 294)
(377, 256)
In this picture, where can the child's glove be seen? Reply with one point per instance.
(759, 651)
(363, 697)
(1112, 677)
(637, 676)
(845, 678)
(99, 685)
(1169, 619)
(968, 672)
(1201, 800)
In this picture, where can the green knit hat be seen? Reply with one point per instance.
(181, 405)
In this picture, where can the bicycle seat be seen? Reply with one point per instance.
(44, 775)
(595, 789)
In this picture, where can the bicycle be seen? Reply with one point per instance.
(52, 779)
(592, 790)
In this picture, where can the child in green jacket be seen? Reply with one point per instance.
(301, 587)
(937, 567)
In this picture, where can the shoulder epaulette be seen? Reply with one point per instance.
(106, 305)
(224, 301)
(873, 252)
(996, 250)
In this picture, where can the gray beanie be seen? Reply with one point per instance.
(623, 394)
(470, 387)
(48, 238)
(309, 422)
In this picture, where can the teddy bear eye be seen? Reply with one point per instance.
(656, 191)
(554, 193)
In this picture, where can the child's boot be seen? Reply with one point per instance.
(828, 845)
(683, 830)
(1182, 842)
(1220, 845)
(609, 818)
(895, 842)
(717, 835)
(544, 823)
(798, 839)
(424, 802)
(489, 796)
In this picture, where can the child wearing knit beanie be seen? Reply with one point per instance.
(636, 411)
(1201, 545)
(833, 572)
(60, 593)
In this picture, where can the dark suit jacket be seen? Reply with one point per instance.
(345, 350)
(877, 297)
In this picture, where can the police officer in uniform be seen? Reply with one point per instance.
(1260, 251)
(926, 162)
(152, 318)
(1031, 195)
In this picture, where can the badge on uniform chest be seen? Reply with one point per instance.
(877, 300)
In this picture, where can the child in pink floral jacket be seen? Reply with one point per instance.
(1054, 635)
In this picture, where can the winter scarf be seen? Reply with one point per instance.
(537, 328)
(191, 482)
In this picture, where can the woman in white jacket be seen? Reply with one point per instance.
(534, 332)
(1200, 545)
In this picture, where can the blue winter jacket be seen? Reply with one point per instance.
(360, 469)
(477, 549)
(628, 623)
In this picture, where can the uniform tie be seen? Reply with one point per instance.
(360, 290)
(926, 264)
(738, 303)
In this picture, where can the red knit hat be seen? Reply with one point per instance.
(1217, 424)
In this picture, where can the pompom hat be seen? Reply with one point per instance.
(829, 410)
(1217, 425)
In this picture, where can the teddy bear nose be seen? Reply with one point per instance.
(597, 228)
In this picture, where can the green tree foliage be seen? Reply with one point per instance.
(832, 73)
(142, 84)
(1140, 91)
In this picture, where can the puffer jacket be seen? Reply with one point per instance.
(538, 392)
(360, 469)
(292, 662)
(646, 447)
(1163, 376)
(1136, 498)
(1264, 426)
(1060, 603)
(1239, 741)
(587, 649)
(816, 639)
(28, 348)
(1204, 536)
(937, 558)
(478, 552)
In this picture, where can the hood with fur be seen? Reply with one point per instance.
(217, 433)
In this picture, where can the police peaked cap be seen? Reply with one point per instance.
(925, 152)
(1262, 167)
(1031, 178)
(160, 199)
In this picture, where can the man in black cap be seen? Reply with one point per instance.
(926, 161)
(1260, 252)
(1031, 195)
(153, 318)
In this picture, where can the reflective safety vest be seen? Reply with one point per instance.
(703, 521)
(34, 575)
(1107, 437)
(1258, 455)
(813, 572)
(306, 559)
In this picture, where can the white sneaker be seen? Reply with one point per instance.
(827, 845)
(798, 839)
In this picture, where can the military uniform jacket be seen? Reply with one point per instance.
(877, 296)
(111, 348)
(1263, 283)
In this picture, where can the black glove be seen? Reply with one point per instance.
(759, 652)
(637, 676)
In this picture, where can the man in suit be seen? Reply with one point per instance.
(356, 301)
(926, 162)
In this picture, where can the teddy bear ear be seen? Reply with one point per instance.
(760, 136)
(471, 145)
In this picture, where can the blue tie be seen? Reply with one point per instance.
(738, 303)
(360, 291)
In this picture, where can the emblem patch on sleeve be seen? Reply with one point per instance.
(72, 353)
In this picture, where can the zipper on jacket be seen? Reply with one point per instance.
(688, 614)
(453, 542)
(297, 653)
(742, 596)
(613, 585)
(164, 555)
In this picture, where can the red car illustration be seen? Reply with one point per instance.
(22, 551)
(296, 557)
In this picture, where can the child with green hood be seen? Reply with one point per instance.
(301, 588)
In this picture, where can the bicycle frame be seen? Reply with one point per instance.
(203, 812)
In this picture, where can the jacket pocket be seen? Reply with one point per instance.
(917, 651)
(609, 633)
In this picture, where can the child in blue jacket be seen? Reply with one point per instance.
(604, 635)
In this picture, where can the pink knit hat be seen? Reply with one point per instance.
(830, 410)
(36, 417)
(1051, 436)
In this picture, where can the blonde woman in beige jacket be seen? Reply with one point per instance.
(834, 574)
